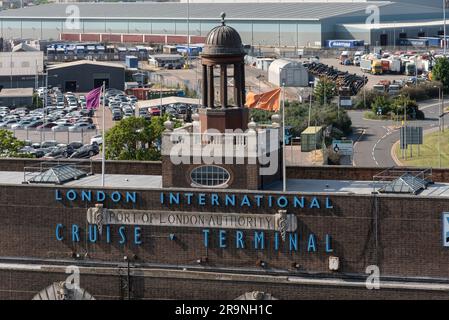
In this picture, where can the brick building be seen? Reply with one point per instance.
(200, 230)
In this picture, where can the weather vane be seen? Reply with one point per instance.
(223, 16)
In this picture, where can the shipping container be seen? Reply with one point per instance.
(311, 139)
(433, 41)
(131, 62)
(413, 42)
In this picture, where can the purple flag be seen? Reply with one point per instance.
(93, 98)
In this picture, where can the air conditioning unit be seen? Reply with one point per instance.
(334, 263)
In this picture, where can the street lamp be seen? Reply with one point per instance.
(284, 167)
(440, 119)
(161, 81)
(444, 19)
(311, 83)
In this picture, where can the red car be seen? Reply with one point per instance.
(155, 111)
(47, 125)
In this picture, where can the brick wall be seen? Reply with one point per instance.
(26, 284)
(408, 233)
(112, 167)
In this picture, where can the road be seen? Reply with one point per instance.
(373, 139)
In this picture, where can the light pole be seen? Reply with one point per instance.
(188, 34)
(440, 121)
(310, 102)
(444, 31)
(161, 78)
(364, 92)
(284, 167)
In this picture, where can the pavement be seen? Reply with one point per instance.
(374, 139)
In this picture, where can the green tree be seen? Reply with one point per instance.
(37, 102)
(325, 91)
(382, 104)
(136, 139)
(297, 114)
(440, 71)
(9, 145)
(412, 109)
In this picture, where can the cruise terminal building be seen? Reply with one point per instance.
(185, 228)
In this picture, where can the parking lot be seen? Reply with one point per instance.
(63, 128)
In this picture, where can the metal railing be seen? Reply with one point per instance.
(385, 177)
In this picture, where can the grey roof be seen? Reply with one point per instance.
(85, 62)
(16, 92)
(211, 11)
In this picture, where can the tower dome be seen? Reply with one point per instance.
(223, 40)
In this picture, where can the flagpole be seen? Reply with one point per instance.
(284, 167)
(103, 158)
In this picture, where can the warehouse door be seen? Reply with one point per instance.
(70, 86)
(383, 40)
(99, 82)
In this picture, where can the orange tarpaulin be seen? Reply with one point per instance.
(268, 101)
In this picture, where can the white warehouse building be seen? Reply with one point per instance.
(289, 73)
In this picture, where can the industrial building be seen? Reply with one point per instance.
(16, 97)
(21, 69)
(292, 24)
(84, 75)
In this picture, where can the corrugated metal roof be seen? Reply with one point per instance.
(16, 92)
(81, 62)
(211, 11)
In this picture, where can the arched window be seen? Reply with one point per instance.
(210, 176)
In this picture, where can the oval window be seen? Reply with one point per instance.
(210, 176)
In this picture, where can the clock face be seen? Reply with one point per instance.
(59, 291)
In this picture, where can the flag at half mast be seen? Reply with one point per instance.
(93, 98)
(269, 101)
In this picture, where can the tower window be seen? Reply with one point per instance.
(210, 176)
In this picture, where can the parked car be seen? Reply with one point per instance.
(8, 123)
(34, 124)
(155, 111)
(47, 126)
(117, 116)
(49, 143)
(97, 139)
(82, 126)
(86, 151)
(76, 144)
(61, 127)
(20, 125)
(60, 152)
